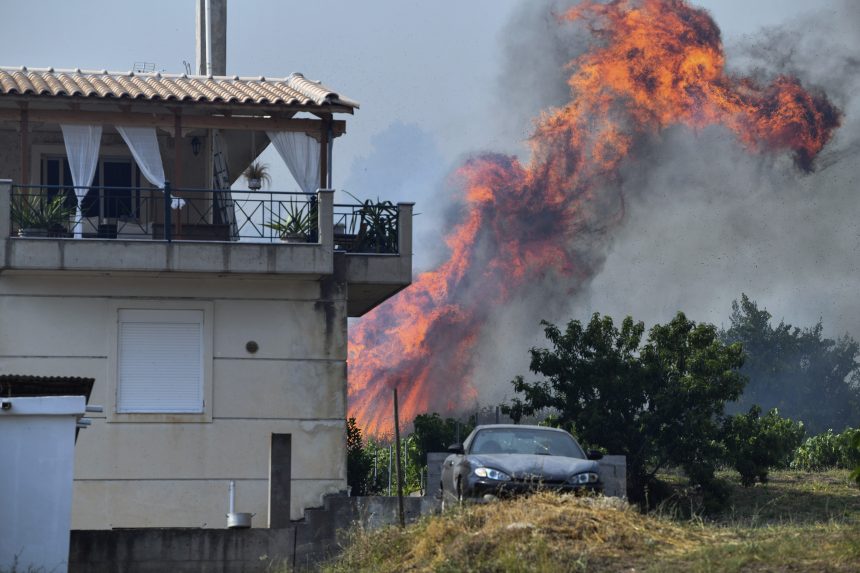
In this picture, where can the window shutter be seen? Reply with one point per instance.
(160, 361)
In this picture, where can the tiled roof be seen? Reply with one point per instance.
(294, 90)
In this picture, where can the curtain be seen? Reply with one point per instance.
(82, 149)
(143, 144)
(301, 153)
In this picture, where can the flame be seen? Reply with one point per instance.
(655, 64)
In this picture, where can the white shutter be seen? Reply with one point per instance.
(160, 361)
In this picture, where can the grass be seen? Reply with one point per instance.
(798, 522)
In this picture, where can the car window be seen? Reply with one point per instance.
(525, 441)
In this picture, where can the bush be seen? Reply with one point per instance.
(828, 450)
(755, 443)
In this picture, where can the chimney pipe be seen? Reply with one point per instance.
(211, 37)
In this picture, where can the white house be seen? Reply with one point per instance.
(218, 350)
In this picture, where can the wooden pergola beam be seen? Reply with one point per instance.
(244, 123)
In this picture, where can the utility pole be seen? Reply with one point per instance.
(399, 466)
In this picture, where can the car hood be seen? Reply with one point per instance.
(529, 466)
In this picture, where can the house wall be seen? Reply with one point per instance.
(49, 139)
(175, 473)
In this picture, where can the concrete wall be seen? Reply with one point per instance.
(302, 544)
(146, 470)
(37, 441)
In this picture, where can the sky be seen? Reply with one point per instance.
(432, 81)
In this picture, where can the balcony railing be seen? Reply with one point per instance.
(367, 228)
(197, 215)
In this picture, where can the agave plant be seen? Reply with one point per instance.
(294, 224)
(33, 211)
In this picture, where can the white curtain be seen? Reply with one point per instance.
(301, 153)
(143, 144)
(82, 150)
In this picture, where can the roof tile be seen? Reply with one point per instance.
(294, 90)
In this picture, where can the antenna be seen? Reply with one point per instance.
(143, 67)
(187, 68)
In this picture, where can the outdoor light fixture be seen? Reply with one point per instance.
(195, 146)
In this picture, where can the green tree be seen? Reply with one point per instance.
(756, 443)
(659, 403)
(806, 376)
(358, 463)
(433, 433)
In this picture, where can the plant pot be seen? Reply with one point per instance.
(33, 232)
(294, 239)
(254, 184)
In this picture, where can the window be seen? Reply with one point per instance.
(118, 197)
(160, 361)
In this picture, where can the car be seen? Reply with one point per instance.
(500, 460)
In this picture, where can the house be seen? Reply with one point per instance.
(218, 349)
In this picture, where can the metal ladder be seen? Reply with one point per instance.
(224, 211)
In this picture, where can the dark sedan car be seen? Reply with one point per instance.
(501, 459)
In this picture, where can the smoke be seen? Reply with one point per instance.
(405, 161)
(707, 221)
(704, 220)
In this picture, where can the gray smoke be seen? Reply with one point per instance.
(705, 220)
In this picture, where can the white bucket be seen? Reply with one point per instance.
(239, 520)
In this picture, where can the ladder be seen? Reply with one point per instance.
(224, 211)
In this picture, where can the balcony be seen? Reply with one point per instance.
(144, 230)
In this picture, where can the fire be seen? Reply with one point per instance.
(655, 64)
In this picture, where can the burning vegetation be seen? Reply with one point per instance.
(653, 64)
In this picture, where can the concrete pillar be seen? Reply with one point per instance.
(404, 228)
(280, 474)
(5, 217)
(325, 202)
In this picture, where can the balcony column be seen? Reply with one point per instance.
(325, 223)
(25, 145)
(5, 217)
(404, 229)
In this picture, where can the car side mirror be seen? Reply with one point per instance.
(595, 455)
(456, 449)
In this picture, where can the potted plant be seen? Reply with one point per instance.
(295, 225)
(41, 216)
(257, 174)
(378, 226)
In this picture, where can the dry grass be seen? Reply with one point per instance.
(543, 532)
(797, 523)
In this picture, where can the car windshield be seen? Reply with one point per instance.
(525, 441)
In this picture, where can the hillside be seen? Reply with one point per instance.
(797, 522)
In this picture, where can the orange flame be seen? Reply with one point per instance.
(657, 63)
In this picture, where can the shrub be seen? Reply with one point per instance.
(755, 443)
(828, 450)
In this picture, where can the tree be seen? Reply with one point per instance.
(358, 463)
(806, 376)
(659, 403)
(756, 443)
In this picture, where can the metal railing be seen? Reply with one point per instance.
(147, 214)
(367, 228)
(136, 213)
